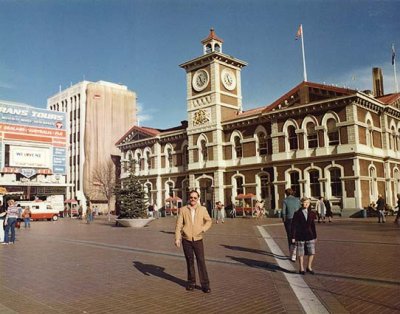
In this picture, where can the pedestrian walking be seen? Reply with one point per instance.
(329, 213)
(89, 213)
(26, 216)
(193, 221)
(304, 235)
(220, 212)
(290, 205)
(10, 221)
(396, 220)
(380, 207)
(321, 209)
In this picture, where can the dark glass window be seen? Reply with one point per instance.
(294, 183)
(292, 137)
(312, 135)
(263, 145)
(315, 187)
(239, 185)
(238, 147)
(336, 183)
(333, 132)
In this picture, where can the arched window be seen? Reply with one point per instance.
(238, 147)
(262, 144)
(315, 187)
(398, 139)
(393, 142)
(208, 48)
(372, 185)
(312, 137)
(292, 137)
(169, 157)
(294, 182)
(148, 160)
(264, 179)
(396, 176)
(370, 139)
(333, 132)
(239, 185)
(185, 156)
(217, 48)
(203, 148)
(138, 163)
(147, 190)
(170, 189)
(336, 183)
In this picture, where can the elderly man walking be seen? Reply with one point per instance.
(290, 205)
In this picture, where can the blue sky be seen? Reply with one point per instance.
(140, 43)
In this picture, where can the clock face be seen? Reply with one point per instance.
(200, 80)
(228, 79)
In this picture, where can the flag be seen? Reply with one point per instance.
(393, 54)
(299, 32)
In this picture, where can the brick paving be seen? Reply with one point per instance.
(70, 267)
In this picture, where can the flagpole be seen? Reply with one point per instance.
(304, 56)
(394, 69)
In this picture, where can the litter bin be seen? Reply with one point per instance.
(2, 217)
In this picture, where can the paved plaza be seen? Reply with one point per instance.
(71, 267)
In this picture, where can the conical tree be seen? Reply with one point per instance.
(132, 197)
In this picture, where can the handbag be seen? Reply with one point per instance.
(293, 252)
(18, 224)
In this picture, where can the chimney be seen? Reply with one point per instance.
(377, 82)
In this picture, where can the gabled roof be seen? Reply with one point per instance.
(142, 132)
(389, 99)
(306, 92)
(139, 133)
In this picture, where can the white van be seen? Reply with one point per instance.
(40, 210)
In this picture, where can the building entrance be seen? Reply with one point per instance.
(206, 193)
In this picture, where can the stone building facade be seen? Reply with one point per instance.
(318, 139)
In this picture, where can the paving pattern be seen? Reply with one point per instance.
(71, 267)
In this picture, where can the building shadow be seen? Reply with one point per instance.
(260, 264)
(158, 271)
(245, 249)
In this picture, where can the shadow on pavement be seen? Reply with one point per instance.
(260, 264)
(167, 232)
(158, 271)
(245, 249)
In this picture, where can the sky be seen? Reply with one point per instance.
(46, 44)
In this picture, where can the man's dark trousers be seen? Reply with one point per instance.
(288, 228)
(191, 248)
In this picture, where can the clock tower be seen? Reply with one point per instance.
(213, 86)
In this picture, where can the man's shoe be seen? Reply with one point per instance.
(310, 271)
(302, 272)
(190, 287)
(206, 290)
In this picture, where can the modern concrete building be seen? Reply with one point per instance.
(98, 114)
(320, 140)
(33, 149)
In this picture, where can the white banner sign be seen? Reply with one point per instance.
(33, 157)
